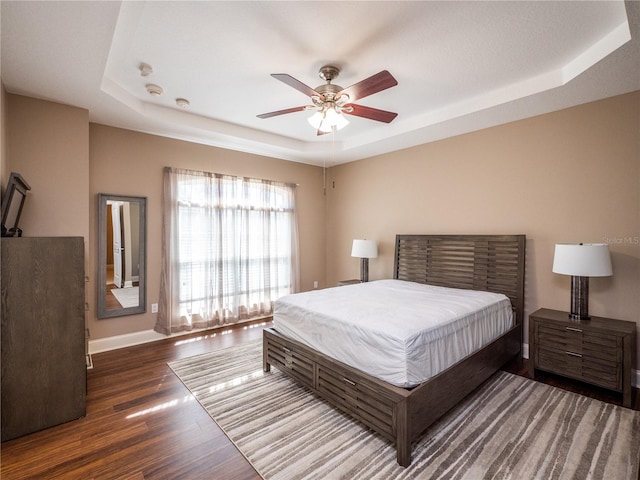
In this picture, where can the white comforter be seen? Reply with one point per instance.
(400, 332)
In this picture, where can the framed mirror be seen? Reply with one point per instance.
(121, 255)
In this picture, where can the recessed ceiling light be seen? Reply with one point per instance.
(154, 90)
(182, 102)
(145, 69)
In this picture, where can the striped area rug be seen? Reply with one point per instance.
(510, 428)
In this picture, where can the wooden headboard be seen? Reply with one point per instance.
(494, 263)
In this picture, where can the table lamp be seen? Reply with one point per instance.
(364, 249)
(581, 261)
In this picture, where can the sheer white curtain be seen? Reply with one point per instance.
(230, 249)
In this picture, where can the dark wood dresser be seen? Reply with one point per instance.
(599, 351)
(44, 371)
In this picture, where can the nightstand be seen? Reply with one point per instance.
(342, 283)
(599, 351)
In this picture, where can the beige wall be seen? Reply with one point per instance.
(568, 176)
(129, 163)
(48, 144)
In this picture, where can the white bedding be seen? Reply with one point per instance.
(400, 332)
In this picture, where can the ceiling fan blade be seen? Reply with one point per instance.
(281, 112)
(297, 84)
(371, 113)
(374, 84)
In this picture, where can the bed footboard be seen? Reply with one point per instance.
(379, 405)
(398, 414)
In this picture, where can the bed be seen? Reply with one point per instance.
(401, 409)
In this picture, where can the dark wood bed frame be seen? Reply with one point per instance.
(479, 262)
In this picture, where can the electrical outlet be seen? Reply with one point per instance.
(315, 284)
(154, 308)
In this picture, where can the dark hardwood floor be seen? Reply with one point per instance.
(142, 423)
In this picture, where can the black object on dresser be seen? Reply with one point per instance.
(600, 351)
(44, 371)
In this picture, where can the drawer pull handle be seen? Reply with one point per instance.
(286, 350)
(574, 354)
(573, 329)
(353, 384)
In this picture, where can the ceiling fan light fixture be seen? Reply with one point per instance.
(326, 119)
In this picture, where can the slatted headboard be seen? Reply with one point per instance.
(493, 263)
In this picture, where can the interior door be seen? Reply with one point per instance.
(116, 220)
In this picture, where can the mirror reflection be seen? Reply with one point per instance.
(121, 272)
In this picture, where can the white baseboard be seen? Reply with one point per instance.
(131, 339)
(635, 374)
(122, 341)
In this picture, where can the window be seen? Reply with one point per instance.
(229, 249)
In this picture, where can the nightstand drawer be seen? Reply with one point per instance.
(602, 346)
(596, 371)
(602, 375)
(557, 361)
(558, 337)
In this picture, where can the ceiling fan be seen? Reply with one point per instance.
(330, 101)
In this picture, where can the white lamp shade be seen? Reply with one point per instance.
(582, 259)
(364, 249)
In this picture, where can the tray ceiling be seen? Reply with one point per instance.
(460, 66)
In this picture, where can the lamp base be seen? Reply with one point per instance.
(364, 270)
(579, 298)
